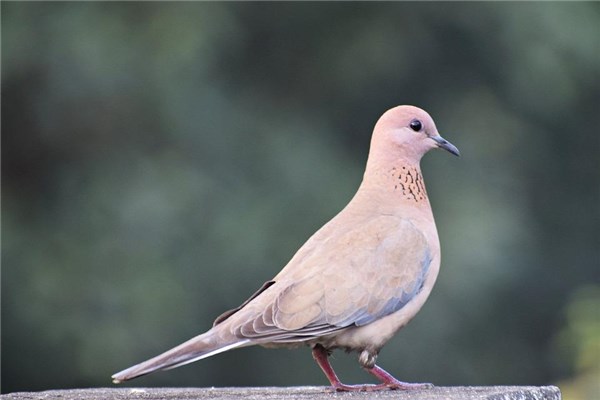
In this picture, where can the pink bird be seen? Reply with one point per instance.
(357, 281)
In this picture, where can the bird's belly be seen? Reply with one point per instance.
(374, 335)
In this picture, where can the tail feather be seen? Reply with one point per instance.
(195, 349)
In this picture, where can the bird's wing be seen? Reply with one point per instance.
(359, 276)
(229, 313)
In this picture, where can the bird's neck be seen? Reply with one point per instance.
(396, 183)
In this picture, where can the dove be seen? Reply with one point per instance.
(357, 281)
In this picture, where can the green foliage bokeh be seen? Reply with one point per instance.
(160, 161)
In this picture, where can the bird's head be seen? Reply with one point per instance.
(406, 132)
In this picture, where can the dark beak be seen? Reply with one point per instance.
(446, 145)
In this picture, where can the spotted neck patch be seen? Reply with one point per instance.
(409, 182)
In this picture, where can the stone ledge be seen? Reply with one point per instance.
(289, 393)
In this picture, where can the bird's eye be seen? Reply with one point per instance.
(416, 125)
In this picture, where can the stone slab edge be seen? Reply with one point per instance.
(289, 393)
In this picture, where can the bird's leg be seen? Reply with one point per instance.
(321, 356)
(392, 383)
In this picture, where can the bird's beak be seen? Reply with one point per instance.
(446, 145)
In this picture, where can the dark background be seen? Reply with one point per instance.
(160, 161)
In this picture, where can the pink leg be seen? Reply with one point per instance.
(393, 383)
(388, 381)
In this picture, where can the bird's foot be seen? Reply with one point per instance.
(398, 385)
(340, 387)
(388, 382)
(392, 383)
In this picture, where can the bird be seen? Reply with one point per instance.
(356, 281)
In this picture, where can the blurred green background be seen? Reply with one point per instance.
(160, 161)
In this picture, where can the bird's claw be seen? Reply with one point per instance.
(409, 386)
(383, 386)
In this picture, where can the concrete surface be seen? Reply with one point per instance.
(289, 393)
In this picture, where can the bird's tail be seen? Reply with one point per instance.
(197, 348)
